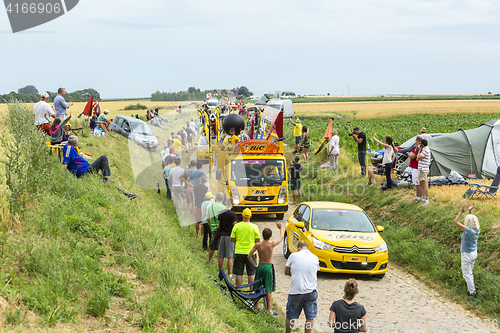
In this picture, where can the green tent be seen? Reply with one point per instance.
(470, 152)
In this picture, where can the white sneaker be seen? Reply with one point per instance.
(231, 277)
(425, 202)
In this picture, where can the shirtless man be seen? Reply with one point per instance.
(265, 269)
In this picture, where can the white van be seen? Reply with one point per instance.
(284, 105)
(213, 103)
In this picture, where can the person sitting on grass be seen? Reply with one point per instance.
(78, 166)
(104, 119)
(99, 124)
(265, 268)
(57, 130)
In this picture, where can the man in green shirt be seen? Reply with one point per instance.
(213, 220)
(245, 234)
(103, 118)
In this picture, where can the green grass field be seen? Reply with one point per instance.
(423, 240)
(78, 255)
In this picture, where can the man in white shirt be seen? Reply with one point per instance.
(194, 128)
(303, 267)
(175, 179)
(41, 111)
(334, 151)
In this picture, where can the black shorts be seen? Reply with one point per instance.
(214, 243)
(240, 262)
(380, 171)
(295, 184)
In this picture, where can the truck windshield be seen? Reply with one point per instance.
(257, 172)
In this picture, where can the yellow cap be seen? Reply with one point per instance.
(209, 195)
(247, 212)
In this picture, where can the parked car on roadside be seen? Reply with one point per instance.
(135, 130)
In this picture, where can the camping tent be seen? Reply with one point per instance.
(262, 101)
(470, 152)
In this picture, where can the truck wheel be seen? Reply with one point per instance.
(280, 216)
(286, 250)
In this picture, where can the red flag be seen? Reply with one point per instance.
(252, 129)
(88, 108)
(328, 133)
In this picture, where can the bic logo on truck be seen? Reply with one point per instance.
(26, 14)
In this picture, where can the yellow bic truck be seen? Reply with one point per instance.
(255, 176)
(253, 173)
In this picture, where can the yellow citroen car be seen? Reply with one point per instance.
(202, 151)
(340, 235)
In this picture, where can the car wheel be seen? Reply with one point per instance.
(280, 216)
(286, 250)
(379, 276)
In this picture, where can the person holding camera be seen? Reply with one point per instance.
(360, 138)
(424, 161)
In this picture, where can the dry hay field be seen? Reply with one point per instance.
(375, 109)
(116, 107)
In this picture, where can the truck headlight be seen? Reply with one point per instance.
(235, 195)
(321, 245)
(382, 248)
(282, 195)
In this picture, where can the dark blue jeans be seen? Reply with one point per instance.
(361, 159)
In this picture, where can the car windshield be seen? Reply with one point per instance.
(257, 172)
(276, 106)
(204, 141)
(141, 128)
(213, 103)
(341, 220)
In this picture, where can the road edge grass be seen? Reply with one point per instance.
(79, 244)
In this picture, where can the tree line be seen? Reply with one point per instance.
(30, 94)
(195, 94)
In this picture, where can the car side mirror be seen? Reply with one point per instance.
(300, 225)
(218, 175)
(380, 228)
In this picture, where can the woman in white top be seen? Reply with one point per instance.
(389, 157)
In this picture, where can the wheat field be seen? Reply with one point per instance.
(116, 107)
(364, 110)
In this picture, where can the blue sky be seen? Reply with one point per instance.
(133, 48)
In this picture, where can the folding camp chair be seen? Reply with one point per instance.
(248, 298)
(77, 131)
(56, 148)
(479, 191)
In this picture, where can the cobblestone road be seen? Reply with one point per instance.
(396, 303)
